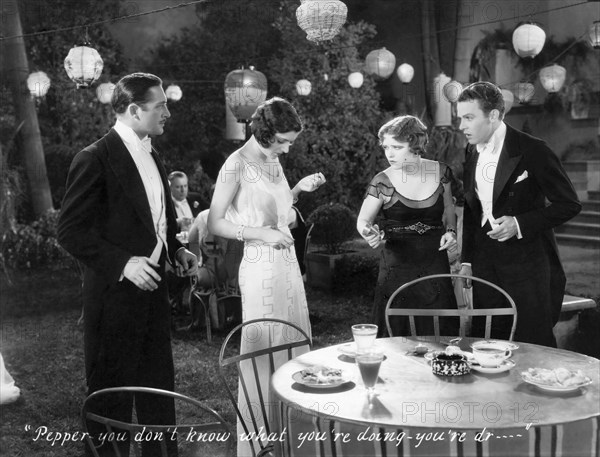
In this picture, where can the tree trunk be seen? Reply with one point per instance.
(17, 70)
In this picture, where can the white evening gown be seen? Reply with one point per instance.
(270, 281)
(8, 391)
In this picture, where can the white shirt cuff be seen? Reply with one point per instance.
(519, 234)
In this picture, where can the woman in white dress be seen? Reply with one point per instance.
(252, 202)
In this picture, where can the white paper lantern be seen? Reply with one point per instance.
(104, 92)
(594, 35)
(244, 91)
(443, 108)
(553, 77)
(38, 84)
(303, 87)
(524, 92)
(405, 72)
(83, 65)
(452, 91)
(528, 40)
(509, 99)
(380, 63)
(356, 79)
(174, 93)
(321, 19)
(234, 130)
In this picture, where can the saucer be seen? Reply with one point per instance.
(349, 349)
(504, 366)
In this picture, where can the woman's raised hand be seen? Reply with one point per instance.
(312, 182)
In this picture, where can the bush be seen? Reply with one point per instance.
(334, 224)
(356, 275)
(34, 245)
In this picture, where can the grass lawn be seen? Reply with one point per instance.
(42, 346)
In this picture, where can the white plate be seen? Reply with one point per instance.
(555, 387)
(504, 366)
(319, 385)
(506, 344)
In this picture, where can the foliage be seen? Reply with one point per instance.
(69, 118)
(33, 245)
(355, 274)
(334, 223)
(340, 123)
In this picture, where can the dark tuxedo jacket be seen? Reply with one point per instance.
(106, 219)
(541, 201)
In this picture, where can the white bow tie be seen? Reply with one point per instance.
(485, 148)
(146, 144)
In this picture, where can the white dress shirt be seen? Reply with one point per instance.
(182, 208)
(485, 172)
(140, 151)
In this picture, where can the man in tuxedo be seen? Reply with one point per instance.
(186, 206)
(508, 236)
(117, 218)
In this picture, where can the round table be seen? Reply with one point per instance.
(490, 413)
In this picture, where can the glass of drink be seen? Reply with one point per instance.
(369, 363)
(364, 336)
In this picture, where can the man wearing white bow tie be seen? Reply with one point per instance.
(117, 218)
(508, 235)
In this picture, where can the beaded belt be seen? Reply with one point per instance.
(419, 227)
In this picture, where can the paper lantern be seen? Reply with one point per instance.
(104, 92)
(509, 99)
(452, 90)
(234, 130)
(405, 72)
(553, 77)
(380, 62)
(528, 40)
(174, 93)
(321, 19)
(443, 108)
(244, 91)
(524, 92)
(303, 87)
(356, 79)
(83, 65)
(38, 84)
(594, 35)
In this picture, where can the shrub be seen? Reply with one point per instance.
(334, 224)
(356, 275)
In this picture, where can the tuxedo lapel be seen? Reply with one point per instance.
(129, 178)
(510, 156)
(469, 175)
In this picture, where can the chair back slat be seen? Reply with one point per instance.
(465, 314)
(190, 409)
(250, 423)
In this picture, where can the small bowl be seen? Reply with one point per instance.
(450, 365)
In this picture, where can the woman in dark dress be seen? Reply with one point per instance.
(418, 226)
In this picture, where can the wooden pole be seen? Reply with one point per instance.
(17, 70)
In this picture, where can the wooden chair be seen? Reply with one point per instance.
(465, 314)
(276, 355)
(199, 429)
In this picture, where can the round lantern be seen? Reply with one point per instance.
(83, 65)
(452, 91)
(174, 93)
(524, 92)
(528, 40)
(303, 87)
(356, 79)
(38, 84)
(321, 19)
(380, 62)
(553, 77)
(405, 73)
(104, 92)
(509, 99)
(244, 91)
(443, 108)
(594, 35)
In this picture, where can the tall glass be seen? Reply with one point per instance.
(364, 336)
(369, 363)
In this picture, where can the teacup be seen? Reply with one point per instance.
(490, 354)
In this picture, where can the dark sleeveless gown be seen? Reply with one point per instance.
(412, 253)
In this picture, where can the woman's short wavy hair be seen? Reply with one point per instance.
(275, 115)
(408, 129)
